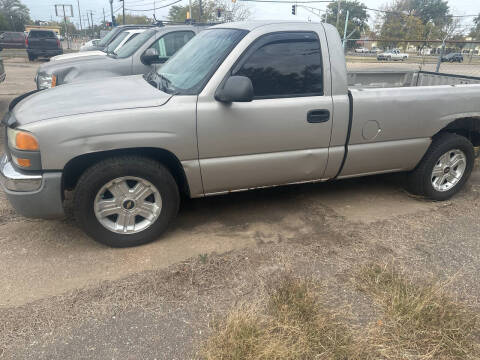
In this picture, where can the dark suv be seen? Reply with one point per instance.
(453, 57)
(43, 43)
(12, 40)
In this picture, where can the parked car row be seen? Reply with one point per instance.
(238, 106)
(362, 50)
(146, 48)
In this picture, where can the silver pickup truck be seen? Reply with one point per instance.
(240, 106)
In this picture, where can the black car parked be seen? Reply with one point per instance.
(453, 57)
(43, 43)
(12, 40)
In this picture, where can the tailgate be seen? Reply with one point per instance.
(42, 43)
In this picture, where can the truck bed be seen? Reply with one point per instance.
(405, 78)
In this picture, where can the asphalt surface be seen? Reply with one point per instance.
(64, 296)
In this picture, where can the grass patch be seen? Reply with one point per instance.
(293, 326)
(419, 321)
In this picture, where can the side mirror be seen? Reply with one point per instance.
(161, 59)
(150, 56)
(235, 89)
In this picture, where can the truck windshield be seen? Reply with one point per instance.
(190, 68)
(113, 45)
(106, 39)
(130, 47)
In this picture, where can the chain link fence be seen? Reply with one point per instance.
(459, 58)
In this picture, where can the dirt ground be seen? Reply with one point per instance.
(65, 297)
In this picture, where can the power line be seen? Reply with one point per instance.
(160, 7)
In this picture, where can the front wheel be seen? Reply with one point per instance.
(444, 169)
(126, 201)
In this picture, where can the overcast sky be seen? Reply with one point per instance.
(44, 9)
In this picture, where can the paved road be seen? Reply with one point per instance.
(64, 296)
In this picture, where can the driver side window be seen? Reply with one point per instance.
(169, 44)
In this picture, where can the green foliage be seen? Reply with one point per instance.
(133, 19)
(475, 32)
(13, 15)
(414, 20)
(210, 9)
(357, 19)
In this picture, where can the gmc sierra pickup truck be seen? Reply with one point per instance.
(241, 106)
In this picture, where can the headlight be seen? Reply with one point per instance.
(22, 140)
(44, 81)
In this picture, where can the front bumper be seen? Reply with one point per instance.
(32, 195)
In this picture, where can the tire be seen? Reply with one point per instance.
(420, 180)
(152, 175)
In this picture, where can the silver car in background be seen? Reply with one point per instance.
(138, 56)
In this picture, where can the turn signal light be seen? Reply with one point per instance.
(54, 81)
(23, 162)
(25, 141)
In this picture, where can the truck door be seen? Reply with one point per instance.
(283, 135)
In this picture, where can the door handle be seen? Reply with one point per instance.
(318, 116)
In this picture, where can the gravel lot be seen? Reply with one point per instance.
(65, 297)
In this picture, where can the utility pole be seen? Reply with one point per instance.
(123, 7)
(345, 31)
(190, 9)
(104, 19)
(88, 22)
(111, 12)
(338, 12)
(79, 15)
(64, 14)
(93, 29)
(201, 10)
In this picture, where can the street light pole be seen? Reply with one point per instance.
(123, 7)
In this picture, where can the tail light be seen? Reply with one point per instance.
(58, 42)
(26, 41)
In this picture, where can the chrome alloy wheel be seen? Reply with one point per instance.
(128, 205)
(448, 170)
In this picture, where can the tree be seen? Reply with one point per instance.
(475, 31)
(416, 19)
(357, 18)
(227, 10)
(133, 19)
(13, 15)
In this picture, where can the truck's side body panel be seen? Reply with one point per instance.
(392, 127)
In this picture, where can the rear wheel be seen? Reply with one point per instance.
(444, 169)
(126, 201)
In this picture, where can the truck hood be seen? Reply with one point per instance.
(109, 94)
(78, 55)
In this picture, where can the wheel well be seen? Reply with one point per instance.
(75, 167)
(467, 127)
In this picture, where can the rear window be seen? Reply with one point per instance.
(41, 34)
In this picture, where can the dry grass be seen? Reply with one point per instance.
(294, 326)
(416, 322)
(419, 321)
